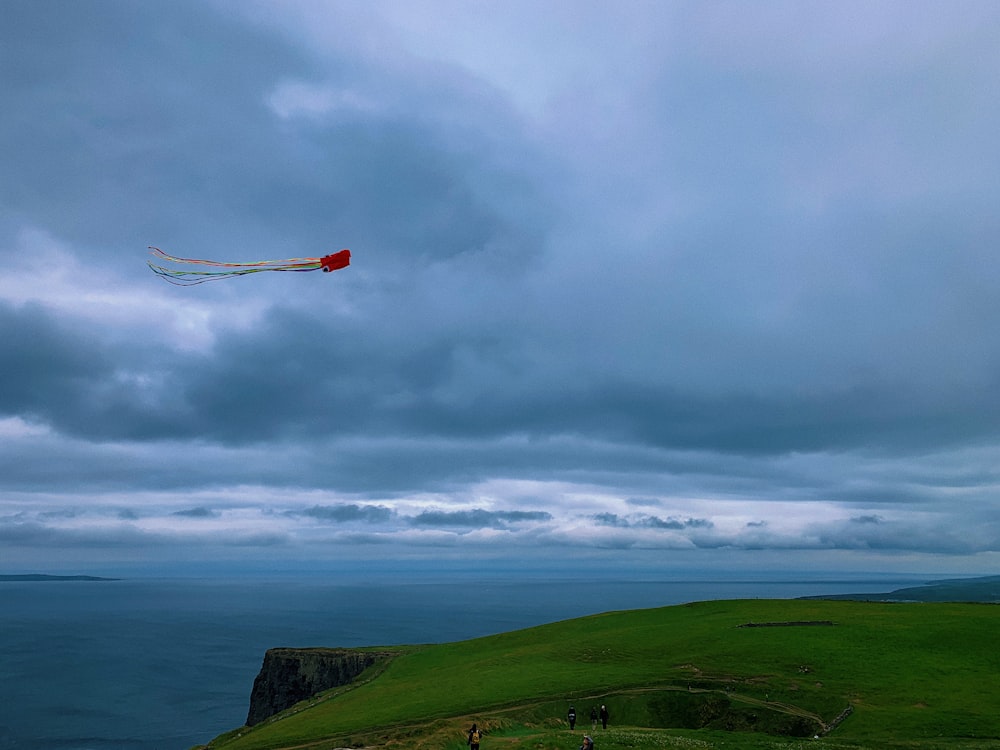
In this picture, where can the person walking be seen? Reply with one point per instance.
(604, 716)
(593, 718)
(474, 736)
(572, 717)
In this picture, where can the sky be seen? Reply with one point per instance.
(649, 286)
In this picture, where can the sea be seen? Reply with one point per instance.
(168, 663)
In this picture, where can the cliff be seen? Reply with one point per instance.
(290, 675)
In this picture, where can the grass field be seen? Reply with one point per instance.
(905, 676)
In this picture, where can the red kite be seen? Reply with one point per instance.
(327, 263)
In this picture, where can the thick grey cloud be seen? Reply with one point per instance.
(478, 518)
(651, 522)
(196, 513)
(703, 279)
(350, 512)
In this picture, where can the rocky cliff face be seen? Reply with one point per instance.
(290, 675)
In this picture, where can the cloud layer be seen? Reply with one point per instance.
(667, 283)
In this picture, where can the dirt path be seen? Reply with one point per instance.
(329, 743)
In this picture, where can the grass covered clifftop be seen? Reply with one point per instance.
(884, 675)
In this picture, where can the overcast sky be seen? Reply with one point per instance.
(668, 286)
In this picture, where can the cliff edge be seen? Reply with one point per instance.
(290, 675)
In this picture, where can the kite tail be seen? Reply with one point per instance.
(182, 277)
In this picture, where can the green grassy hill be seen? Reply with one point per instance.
(903, 675)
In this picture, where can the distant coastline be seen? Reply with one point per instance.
(985, 589)
(43, 577)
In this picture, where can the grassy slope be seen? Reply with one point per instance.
(912, 671)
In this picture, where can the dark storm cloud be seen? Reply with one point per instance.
(57, 371)
(163, 135)
(320, 379)
(196, 513)
(867, 519)
(674, 523)
(44, 362)
(128, 115)
(398, 178)
(42, 535)
(902, 536)
(125, 538)
(14, 532)
(110, 123)
(736, 272)
(348, 512)
(651, 522)
(477, 518)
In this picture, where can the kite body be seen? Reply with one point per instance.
(335, 261)
(184, 277)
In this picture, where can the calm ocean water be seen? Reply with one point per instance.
(157, 664)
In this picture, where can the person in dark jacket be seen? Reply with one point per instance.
(474, 736)
(572, 717)
(593, 717)
(604, 717)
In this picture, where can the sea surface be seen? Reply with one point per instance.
(166, 664)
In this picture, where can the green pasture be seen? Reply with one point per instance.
(913, 675)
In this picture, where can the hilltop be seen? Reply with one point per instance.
(854, 674)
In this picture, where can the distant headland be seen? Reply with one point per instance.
(44, 577)
(985, 589)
